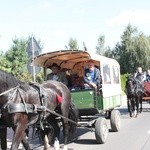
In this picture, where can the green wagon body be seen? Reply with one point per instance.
(89, 103)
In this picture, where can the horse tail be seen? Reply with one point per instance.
(73, 115)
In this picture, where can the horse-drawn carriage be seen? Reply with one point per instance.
(137, 91)
(94, 107)
(146, 95)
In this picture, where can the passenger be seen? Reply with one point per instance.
(140, 75)
(92, 76)
(148, 76)
(57, 75)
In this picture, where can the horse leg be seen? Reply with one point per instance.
(141, 98)
(25, 142)
(3, 137)
(65, 113)
(68, 127)
(46, 143)
(137, 107)
(54, 131)
(129, 107)
(19, 133)
(65, 126)
(133, 107)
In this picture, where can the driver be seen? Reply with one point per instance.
(57, 75)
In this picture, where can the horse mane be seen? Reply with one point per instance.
(24, 86)
(7, 81)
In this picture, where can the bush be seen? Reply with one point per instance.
(123, 82)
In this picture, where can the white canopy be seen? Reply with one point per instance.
(65, 58)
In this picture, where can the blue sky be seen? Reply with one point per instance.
(56, 21)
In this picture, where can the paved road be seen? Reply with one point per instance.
(134, 135)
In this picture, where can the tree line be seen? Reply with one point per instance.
(131, 51)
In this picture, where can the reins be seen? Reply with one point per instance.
(3, 93)
(54, 113)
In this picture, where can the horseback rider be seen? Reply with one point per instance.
(139, 76)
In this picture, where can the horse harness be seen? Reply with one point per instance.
(137, 86)
(10, 108)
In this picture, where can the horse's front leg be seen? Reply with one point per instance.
(137, 107)
(3, 138)
(17, 137)
(133, 110)
(46, 143)
(19, 131)
(141, 108)
(129, 107)
(25, 142)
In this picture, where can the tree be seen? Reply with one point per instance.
(133, 50)
(16, 57)
(3, 61)
(84, 47)
(142, 46)
(108, 52)
(15, 60)
(125, 51)
(100, 46)
(73, 44)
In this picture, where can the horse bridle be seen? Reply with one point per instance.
(3, 93)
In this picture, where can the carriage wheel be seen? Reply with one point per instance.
(101, 130)
(115, 120)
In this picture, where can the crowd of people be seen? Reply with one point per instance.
(91, 77)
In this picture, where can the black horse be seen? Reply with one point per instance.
(134, 91)
(22, 105)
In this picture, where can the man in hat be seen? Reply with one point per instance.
(56, 74)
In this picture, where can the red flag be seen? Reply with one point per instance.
(59, 98)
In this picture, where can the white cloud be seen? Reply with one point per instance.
(44, 4)
(138, 17)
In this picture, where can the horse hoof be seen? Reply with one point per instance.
(56, 145)
(131, 115)
(65, 147)
(47, 148)
(46, 144)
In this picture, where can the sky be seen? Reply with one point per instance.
(54, 22)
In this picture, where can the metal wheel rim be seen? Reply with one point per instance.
(105, 131)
